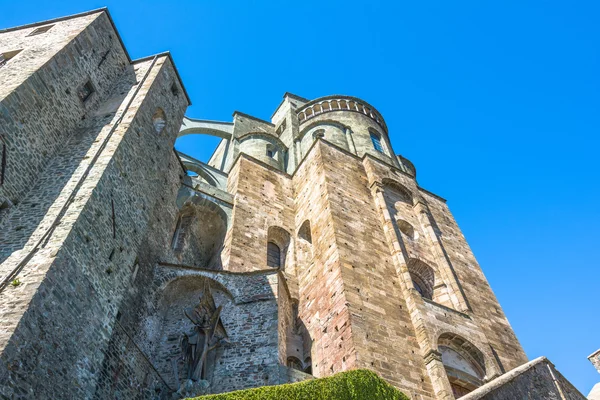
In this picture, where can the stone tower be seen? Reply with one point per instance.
(304, 247)
(86, 142)
(376, 271)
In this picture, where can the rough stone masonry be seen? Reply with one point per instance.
(304, 247)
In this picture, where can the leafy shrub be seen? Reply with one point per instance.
(352, 385)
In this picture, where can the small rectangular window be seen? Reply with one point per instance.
(86, 91)
(40, 30)
(7, 55)
(376, 142)
(281, 128)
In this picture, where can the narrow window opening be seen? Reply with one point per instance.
(3, 161)
(40, 30)
(273, 255)
(174, 89)
(271, 152)
(8, 55)
(114, 222)
(304, 232)
(376, 139)
(85, 91)
(176, 234)
(159, 120)
(281, 128)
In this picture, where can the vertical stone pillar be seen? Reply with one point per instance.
(437, 374)
(297, 152)
(350, 140)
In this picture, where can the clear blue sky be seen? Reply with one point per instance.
(496, 103)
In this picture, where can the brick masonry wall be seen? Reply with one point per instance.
(379, 314)
(322, 297)
(263, 198)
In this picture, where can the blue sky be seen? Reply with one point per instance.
(496, 103)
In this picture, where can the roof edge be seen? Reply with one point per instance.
(170, 57)
(252, 117)
(72, 16)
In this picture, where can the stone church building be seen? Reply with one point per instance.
(303, 248)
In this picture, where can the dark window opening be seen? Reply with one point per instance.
(174, 89)
(40, 30)
(273, 255)
(376, 139)
(86, 91)
(7, 55)
(281, 128)
(3, 161)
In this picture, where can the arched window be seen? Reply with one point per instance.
(464, 363)
(271, 151)
(376, 139)
(294, 363)
(278, 247)
(423, 278)
(159, 120)
(273, 255)
(304, 232)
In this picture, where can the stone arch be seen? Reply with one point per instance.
(423, 277)
(308, 365)
(404, 194)
(464, 363)
(278, 242)
(159, 120)
(294, 362)
(202, 172)
(190, 126)
(178, 295)
(200, 232)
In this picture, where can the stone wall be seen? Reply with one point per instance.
(263, 198)
(39, 102)
(64, 310)
(537, 379)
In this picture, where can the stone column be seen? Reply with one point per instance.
(350, 140)
(437, 374)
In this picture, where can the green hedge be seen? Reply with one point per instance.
(352, 385)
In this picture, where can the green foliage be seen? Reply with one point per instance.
(15, 282)
(352, 385)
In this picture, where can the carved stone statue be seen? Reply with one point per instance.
(208, 333)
